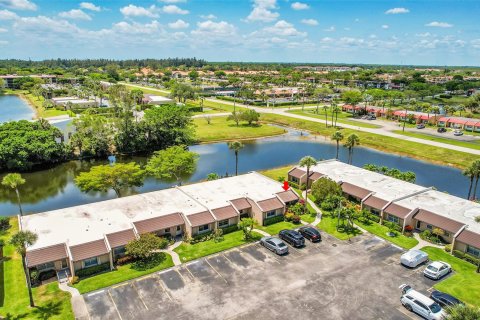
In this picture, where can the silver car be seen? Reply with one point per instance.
(274, 244)
(413, 258)
(437, 269)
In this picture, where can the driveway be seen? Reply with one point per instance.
(327, 280)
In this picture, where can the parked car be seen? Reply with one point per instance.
(274, 244)
(422, 305)
(437, 269)
(458, 132)
(371, 117)
(441, 130)
(420, 126)
(413, 258)
(310, 233)
(292, 237)
(444, 299)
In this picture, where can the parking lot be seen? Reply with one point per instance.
(327, 280)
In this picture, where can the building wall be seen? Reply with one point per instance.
(196, 232)
(448, 237)
(278, 212)
(78, 265)
(257, 214)
(173, 231)
(231, 222)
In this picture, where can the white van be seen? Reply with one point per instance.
(422, 305)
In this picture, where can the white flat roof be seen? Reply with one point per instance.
(216, 193)
(446, 205)
(92, 221)
(158, 98)
(384, 187)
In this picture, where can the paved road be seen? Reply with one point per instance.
(380, 131)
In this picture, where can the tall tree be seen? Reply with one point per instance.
(476, 169)
(307, 162)
(337, 136)
(172, 163)
(352, 141)
(117, 177)
(236, 146)
(13, 181)
(470, 173)
(21, 241)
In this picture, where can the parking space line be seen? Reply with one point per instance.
(206, 260)
(181, 276)
(234, 265)
(165, 289)
(404, 311)
(270, 253)
(139, 294)
(114, 305)
(95, 293)
(186, 267)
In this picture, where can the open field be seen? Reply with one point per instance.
(343, 117)
(381, 231)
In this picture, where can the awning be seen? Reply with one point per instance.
(297, 173)
(159, 223)
(120, 238)
(472, 123)
(241, 204)
(470, 238)
(47, 254)
(375, 202)
(457, 121)
(225, 213)
(443, 119)
(314, 176)
(270, 204)
(88, 250)
(397, 210)
(354, 190)
(288, 196)
(438, 221)
(201, 218)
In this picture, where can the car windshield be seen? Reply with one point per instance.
(432, 268)
(435, 307)
(281, 244)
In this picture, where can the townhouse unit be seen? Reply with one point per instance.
(403, 203)
(468, 124)
(80, 237)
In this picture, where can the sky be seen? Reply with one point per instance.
(420, 32)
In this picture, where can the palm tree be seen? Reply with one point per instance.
(21, 240)
(14, 180)
(236, 146)
(336, 110)
(476, 170)
(352, 141)
(337, 136)
(470, 173)
(307, 162)
(326, 115)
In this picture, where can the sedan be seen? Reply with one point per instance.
(420, 126)
(458, 133)
(310, 233)
(441, 130)
(274, 244)
(444, 299)
(413, 258)
(292, 237)
(437, 269)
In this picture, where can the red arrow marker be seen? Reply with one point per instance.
(285, 185)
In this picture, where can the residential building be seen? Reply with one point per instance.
(74, 102)
(157, 100)
(10, 79)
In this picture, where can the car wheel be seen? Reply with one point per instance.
(408, 307)
(449, 270)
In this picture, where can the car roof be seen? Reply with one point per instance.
(420, 297)
(440, 294)
(437, 264)
(414, 253)
(275, 240)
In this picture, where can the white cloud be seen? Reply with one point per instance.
(385, 26)
(423, 35)
(283, 28)
(134, 11)
(136, 28)
(179, 24)
(173, 9)
(19, 4)
(300, 6)
(262, 11)
(330, 29)
(346, 29)
(75, 14)
(90, 6)
(3, 30)
(310, 22)
(214, 29)
(475, 43)
(42, 24)
(208, 16)
(397, 11)
(8, 15)
(172, 1)
(438, 24)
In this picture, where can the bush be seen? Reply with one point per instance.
(4, 223)
(459, 254)
(289, 216)
(303, 186)
(273, 220)
(425, 234)
(34, 276)
(294, 185)
(124, 260)
(281, 179)
(374, 218)
(152, 261)
(296, 219)
(448, 248)
(230, 229)
(74, 280)
(42, 276)
(324, 187)
(471, 259)
(93, 270)
(408, 228)
(201, 237)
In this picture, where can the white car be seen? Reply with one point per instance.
(422, 305)
(413, 258)
(437, 269)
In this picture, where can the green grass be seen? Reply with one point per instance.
(188, 252)
(147, 90)
(121, 274)
(464, 284)
(425, 136)
(37, 102)
(343, 117)
(383, 143)
(277, 227)
(381, 231)
(51, 302)
(328, 224)
(277, 172)
(221, 129)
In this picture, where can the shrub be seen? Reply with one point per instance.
(296, 208)
(218, 235)
(327, 205)
(155, 260)
(289, 216)
(408, 228)
(303, 186)
(294, 185)
(230, 229)
(296, 219)
(448, 248)
(42, 276)
(471, 259)
(202, 237)
(124, 260)
(425, 234)
(273, 220)
(281, 179)
(34, 276)
(324, 187)
(74, 280)
(459, 254)
(4, 223)
(374, 218)
(93, 270)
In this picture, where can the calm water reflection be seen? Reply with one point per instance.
(54, 188)
(12, 108)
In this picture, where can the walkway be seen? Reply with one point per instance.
(175, 257)
(78, 303)
(263, 233)
(318, 218)
(423, 243)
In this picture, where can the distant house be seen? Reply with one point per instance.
(158, 100)
(10, 79)
(74, 102)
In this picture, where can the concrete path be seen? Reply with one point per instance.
(263, 233)
(423, 243)
(318, 218)
(175, 257)
(78, 303)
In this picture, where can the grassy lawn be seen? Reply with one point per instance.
(391, 145)
(328, 224)
(277, 172)
(381, 231)
(342, 118)
(221, 129)
(38, 104)
(277, 227)
(51, 303)
(123, 273)
(188, 252)
(426, 136)
(464, 284)
(147, 90)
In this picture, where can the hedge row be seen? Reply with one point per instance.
(467, 257)
(229, 229)
(93, 270)
(273, 220)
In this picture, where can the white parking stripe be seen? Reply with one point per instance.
(165, 289)
(95, 293)
(206, 260)
(139, 294)
(115, 306)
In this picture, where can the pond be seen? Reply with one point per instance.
(13, 108)
(54, 188)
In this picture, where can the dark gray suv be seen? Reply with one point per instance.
(292, 237)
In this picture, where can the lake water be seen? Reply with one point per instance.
(54, 188)
(12, 108)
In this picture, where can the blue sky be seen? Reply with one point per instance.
(428, 32)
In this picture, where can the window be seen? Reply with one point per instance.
(44, 266)
(203, 228)
(446, 233)
(166, 231)
(473, 251)
(375, 212)
(90, 262)
(119, 251)
(223, 223)
(429, 226)
(179, 228)
(270, 214)
(393, 218)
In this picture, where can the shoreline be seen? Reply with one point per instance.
(25, 99)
